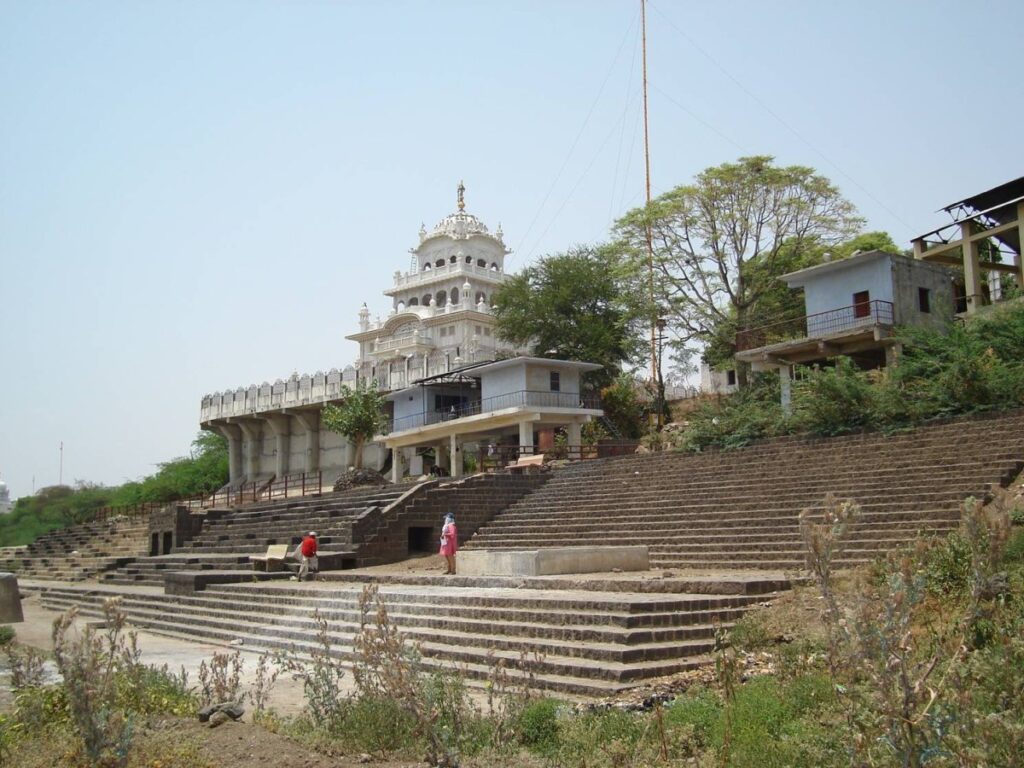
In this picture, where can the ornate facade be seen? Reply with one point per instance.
(440, 320)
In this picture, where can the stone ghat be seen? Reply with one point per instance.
(740, 509)
(574, 638)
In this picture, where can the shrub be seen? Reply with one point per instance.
(737, 419)
(947, 566)
(220, 680)
(537, 726)
(6, 634)
(829, 401)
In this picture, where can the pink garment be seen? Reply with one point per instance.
(449, 539)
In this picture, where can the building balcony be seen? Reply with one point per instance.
(523, 399)
(406, 280)
(415, 342)
(834, 323)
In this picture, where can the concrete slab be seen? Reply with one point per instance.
(553, 560)
(10, 599)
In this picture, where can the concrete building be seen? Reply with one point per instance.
(852, 307)
(492, 405)
(440, 320)
(984, 241)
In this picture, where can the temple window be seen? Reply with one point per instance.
(480, 297)
(425, 300)
(414, 302)
(441, 298)
(481, 263)
(455, 295)
(439, 263)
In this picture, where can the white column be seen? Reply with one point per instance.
(282, 440)
(455, 453)
(310, 421)
(233, 435)
(253, 447)
(526, 437)
(396, 465)
(574, 433)
(786, 385)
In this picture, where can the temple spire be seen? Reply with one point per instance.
(462, 196)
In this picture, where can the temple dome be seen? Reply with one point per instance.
(459, 226)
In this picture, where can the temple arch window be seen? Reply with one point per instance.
(414, 302)
(441, 298)
(439, 263)
(453, 259)
(481, 263)
(481, 297)
(426, 267)
(455, 295)
(469, 259)
(425, 300)
(494, 266)
(400, 306)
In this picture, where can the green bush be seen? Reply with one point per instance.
(947, 565)
(738, 419)
(749, 633)
(698, 712)
(830, 401)
(6, 634)
(537, 726)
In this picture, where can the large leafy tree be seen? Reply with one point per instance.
(720, 243)
(358, 416)
(572, 306)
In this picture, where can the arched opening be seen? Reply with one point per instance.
(439, 263)
(469, 259)
(426, 300)
(494, 266)
(480, 297)
(453, 259)
(481, 263)
(414, 302)
(455, 295)
(426, 267)
(400, 306)
(441, 298)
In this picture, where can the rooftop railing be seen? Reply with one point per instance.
(833, 321)
(522, 398)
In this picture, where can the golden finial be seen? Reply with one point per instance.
(462, 196)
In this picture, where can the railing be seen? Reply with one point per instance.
(298, 484)
(494, 457)
(410, 279)
(820, 324)
(522, 398)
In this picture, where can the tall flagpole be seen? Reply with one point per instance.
(647, 167)
(60, 471)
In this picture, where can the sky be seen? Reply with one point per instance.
(196, 196)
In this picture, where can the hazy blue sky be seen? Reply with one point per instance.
(197, 196)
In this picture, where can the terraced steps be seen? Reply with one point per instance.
(80, 551)
(580, 641)
(739, 509)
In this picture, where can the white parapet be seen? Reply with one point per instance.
(551, 561)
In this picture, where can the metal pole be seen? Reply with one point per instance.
(647, 174)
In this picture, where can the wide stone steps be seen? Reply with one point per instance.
(579, 642)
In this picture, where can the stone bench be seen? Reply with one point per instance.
(272, 561)
(526, 462)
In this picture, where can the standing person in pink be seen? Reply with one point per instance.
(449, 542)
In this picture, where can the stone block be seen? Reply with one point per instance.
(552, 560)
(10, 599)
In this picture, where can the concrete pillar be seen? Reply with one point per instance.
(892, 354)
(252, 430)
(441, 456)
(233, 435)
(310, 421)
(455, 452)
(972, 272)
(1019, 258)
(526, 437)
(786, 385)
(281, 426)
(396, 465)
(574, 434)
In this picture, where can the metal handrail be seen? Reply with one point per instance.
(525, 397)
(874, 312)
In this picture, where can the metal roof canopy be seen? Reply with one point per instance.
(991, 198)
(452, 377)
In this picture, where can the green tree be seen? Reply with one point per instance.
(719, 243)
(571, 306)
(358, 416)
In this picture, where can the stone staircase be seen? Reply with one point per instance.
(229, 536)
(415, 525)
(739, 509)
(80, 551)
(572, 640)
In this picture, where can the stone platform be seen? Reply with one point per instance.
(552, 561)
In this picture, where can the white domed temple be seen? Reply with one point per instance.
(450, 381)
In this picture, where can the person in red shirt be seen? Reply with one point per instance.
(308, 551)
(449, 543)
